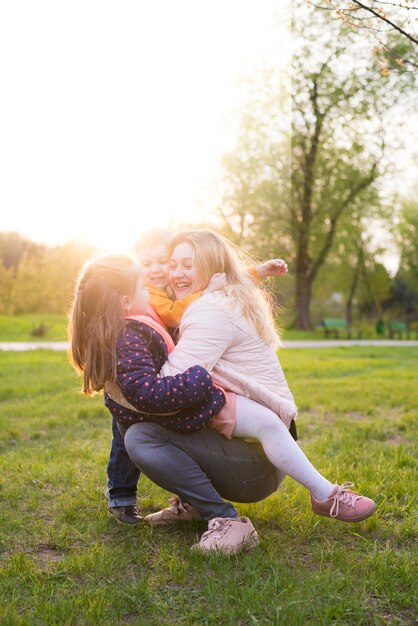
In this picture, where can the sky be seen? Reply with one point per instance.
(114, 115)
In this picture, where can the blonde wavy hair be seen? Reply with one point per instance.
(214, 253)
(96, 317)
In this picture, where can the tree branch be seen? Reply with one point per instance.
(385, 19)
(364, 183)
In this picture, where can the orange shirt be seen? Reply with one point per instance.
(170, 311)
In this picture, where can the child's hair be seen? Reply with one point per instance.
(214, 253)
(152, 238)
(96, 317)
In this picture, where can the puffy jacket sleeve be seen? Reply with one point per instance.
(205, 335)
(138, 378)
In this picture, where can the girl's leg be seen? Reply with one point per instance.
(258, 422)
(122, 474)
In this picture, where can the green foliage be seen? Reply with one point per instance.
(63, 561)
(41, 279)
(13, 247)
(321, 194)
(7, 277)
(408, 242)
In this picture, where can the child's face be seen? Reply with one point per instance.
(154, 264)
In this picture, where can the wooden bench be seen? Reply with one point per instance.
(336, 324)
(396, 327)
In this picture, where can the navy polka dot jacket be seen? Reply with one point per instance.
(141, 352)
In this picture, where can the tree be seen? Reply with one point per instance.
(391, 26)
(6, 285)
(407, 239)
(404, 295)
(44, 280)
(13, 247)
(339, 112)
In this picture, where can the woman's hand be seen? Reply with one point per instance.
(273, 267)
(217, 282)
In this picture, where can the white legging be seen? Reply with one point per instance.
(258, 422)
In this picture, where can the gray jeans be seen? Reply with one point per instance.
(203, 467)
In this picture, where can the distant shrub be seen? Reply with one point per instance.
(39, 331)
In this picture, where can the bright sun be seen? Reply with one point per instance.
(114, 120)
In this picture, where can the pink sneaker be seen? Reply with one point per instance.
(344, 504)
(178, 511)
(228, 535)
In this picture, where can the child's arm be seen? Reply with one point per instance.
(272, 267)
(140, 384)
(170, 311)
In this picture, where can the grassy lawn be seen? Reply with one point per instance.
(64, 561)
(21, 327)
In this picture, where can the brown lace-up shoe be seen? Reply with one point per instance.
(125, 514)
(178, 511)
(228, 535)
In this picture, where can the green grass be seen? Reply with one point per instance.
(64, 561)
(20, 327)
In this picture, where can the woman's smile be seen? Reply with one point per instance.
(181, 286)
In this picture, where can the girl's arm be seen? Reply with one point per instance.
(185, 421)
(137, 375)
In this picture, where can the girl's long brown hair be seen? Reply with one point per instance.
(96, 318)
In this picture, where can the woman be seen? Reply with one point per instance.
(233, 336)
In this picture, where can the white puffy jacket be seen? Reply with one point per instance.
(214, 334)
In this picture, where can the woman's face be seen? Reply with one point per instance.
(184, 278)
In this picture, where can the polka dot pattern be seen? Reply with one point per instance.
(141, 352)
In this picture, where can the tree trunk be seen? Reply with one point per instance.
(353, 287)
(303, 302)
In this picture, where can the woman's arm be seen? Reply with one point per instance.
(206, 332)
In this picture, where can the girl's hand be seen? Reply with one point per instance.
(273, 267)
(217, 282)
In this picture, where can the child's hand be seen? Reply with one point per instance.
(273, 267)
(217, 282)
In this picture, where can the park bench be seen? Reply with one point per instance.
(396, 327)
(336, 324)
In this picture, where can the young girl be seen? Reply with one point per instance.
(109, 289)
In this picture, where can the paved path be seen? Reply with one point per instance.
(345, 343)
(23, 346)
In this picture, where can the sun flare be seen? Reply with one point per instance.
(116, 119)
